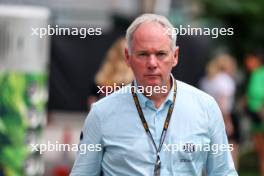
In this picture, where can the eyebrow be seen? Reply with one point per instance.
(145, 51)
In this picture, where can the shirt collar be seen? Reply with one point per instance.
(144, 101)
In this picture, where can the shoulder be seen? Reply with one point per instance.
(113, 108)
(223, 78)
(190, 91)
(114, 101)
(199, 105)
(258, 72)
(190, 96)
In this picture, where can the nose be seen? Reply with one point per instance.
(152, 62)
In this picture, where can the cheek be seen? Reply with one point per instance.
(137, 67)
(166, 66)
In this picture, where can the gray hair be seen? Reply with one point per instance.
(150, 18)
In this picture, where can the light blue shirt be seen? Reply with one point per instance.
(126, 149)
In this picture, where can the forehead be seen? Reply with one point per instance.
(149, 35)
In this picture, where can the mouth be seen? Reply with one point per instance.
(152, 75)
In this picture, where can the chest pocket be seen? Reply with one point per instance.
(187, 154)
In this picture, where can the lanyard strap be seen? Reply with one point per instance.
(165, 126)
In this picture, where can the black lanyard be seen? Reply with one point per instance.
(165, 127)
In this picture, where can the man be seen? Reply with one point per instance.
(161, 133)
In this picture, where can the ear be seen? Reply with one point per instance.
(127, 57)
(175, 56)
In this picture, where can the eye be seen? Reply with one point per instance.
(161, 55)
(142, 55)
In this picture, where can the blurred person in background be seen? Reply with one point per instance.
(255, 102)
(251, 62)
(114, 71)
(220, 83)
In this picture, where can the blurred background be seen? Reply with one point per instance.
(48, 84)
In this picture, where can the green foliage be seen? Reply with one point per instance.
(12, 123)
(19, 92)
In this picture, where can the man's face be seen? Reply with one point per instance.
(151, 57)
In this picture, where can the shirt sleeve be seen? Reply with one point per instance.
(90, 152)
(219, 160)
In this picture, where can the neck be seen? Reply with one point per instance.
(159, 98)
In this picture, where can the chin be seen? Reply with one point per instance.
(153, 83)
